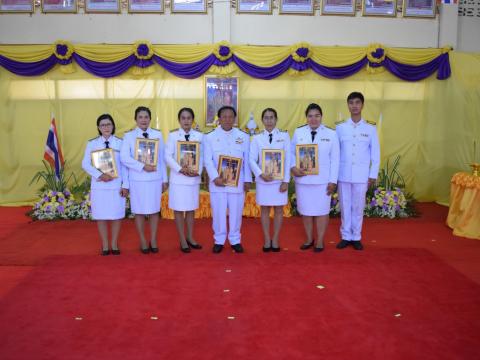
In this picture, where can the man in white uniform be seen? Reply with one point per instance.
(359, 162)
(229, 141)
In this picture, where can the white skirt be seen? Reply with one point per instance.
(145, 196)
(270, 195)
(107, 204)
(183, 197)
(312, 199)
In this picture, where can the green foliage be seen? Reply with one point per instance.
(50, 179)
(389, 177)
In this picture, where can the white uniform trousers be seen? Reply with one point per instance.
(352, 204)
(220, 202)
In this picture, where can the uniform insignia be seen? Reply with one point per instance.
(95, 138)
(243, 131)
(339, 122)
(325, 140)
(371, 122)
(301, 126)
(284, 131)
(209, 132)
(173, 130)
(280, 140)
(238, 140)
(155, 129)
(117, 137)
(328, 127)
(364, 135)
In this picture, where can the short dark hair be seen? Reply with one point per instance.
(226, 107)
(143, 108)
(313, 106)
(356, 95)
(271, 110)
(187, 109)
(103, 117)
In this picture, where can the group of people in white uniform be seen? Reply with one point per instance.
(347, 159)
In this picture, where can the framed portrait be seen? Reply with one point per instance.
(296, 7)
(146, 6)
(379, 8)
(307, 158)
(254, 6)
(229, 168)
(338, 7)
(188, 154)
(189, 6)
(273, 163)
(419, 8)
(17, 6)
(146, 151)
(219, 91)
(104, 160)
(59, 6)
(102, 6)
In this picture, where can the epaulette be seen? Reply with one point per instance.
(371, 122)
(209, 132)
(96, 137)
(155, 129)
(119, 138)
(286, 131)
(244, 131)
(130, 130)
(173, 130)
(339, 122)
(301, 126)
(329, 127)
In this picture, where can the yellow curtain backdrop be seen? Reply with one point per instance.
(432, 124)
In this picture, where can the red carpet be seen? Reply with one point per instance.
(404, 297)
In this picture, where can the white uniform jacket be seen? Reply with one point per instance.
(234, 143)
(359, 151)
(261, 141)
(135, 167)
(98, 143)
(328, 154)
(171, 156)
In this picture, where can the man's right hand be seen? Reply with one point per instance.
(266, 177)
(219, 181)
(105, 178)
(149, 168)
(298, 172)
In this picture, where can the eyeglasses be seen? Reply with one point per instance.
(105, 125)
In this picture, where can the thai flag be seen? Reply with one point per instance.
(53, 153)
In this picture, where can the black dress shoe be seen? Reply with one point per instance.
(357, 245)
(116, 252)
(343, 244)
(193, 246)
(153, 250)
(306, 246)
(145, 251)
(275, 249)
(105, 252)
(217, 248)
(267, 248)
(317, 249)
(238, 248)
(185, 249)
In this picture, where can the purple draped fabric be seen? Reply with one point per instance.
(337, 72)
(265, 73)
(105, 70)
(30, 68)
(440, 64)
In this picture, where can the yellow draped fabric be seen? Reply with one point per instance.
(250, 209)
(464, 213)
(432, 124)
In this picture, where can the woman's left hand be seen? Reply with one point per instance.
(331, 188)
(164, 187)
(123, 192)
(283, 187)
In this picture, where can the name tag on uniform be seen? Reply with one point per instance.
(280, 140)
(239, 141)
(324, 139)
(364, 135)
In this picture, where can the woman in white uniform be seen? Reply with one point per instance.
(107, 193)
(314, 191)
(147, 182)
(184, 189)
(271, 192)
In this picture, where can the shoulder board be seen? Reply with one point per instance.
(155, 129)
(129, 130)
(95, 138)
(244, 131)
(371, 122)
(339, 122)
(173, 130)
(301, 126)
(329, 127)
(209, 131)
(119, 138)
(284, 131)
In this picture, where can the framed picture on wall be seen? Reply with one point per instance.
(59, 6)
(273, 163)
(307, 158)
(229, 168)
(17, 6)
(304, 7)
(254, 6)
(104, 160)
(146, 6)
(338, 7)
(189, 6)
(379, 8)
(102, 6)
(419, 8)
(188, 155)
(219, 91)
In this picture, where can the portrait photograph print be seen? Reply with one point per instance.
(146, 151)
(296, 7)
(273, 163)
(307, 158)
(188, 154)
(145, 6)
(104, 160)
(254, 6)
(338, 7)
(189, 6)
(229, 169)
(219, 91)
(102, 6)
(419, 8)
(20, 6)
(379, 7)
(59, 6)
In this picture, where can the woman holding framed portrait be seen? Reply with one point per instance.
(109, 185)
(183, 155)
(143, 154)
(269, 158)
(315, 149)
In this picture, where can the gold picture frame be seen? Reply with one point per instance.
(260, 7)
(419, 9)
(229, 168)
(146, 7)
(59, 6)
(104, 161)
(17, 6)
(102, 6)
(385, 8)
(188, 154)
(146, 151)
(339, 7)
(306, 158)
(220, 91)
(188, 6)
(273, 163)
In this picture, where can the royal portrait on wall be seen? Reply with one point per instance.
(419, 8)
(146, 151)
(254, 6)
(379, 8)
(273, 163)
(17, 6)
(307, 158)
(188, 155)
(304, 7)
(219, 91)
(104, 160)
(338, 7)
(59, 6)
(188, 6)
(229, 168)
(102, 6)
(145, 6)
